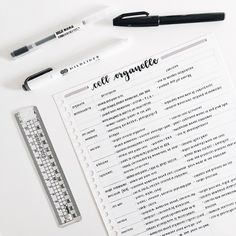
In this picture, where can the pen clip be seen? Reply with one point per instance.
(136, 19)
(127, 15)
(121, 20)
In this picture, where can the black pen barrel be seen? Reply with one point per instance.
(192, 18)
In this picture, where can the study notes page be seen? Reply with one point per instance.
(156, 141)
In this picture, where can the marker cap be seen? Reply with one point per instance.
(28, 82)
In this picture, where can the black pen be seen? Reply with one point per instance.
(143, 19)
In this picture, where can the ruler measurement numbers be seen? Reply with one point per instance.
(47, 165)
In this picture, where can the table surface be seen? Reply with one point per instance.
(24, 208)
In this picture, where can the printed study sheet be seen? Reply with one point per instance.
(156, 140)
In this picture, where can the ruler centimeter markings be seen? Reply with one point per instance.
(47, 165)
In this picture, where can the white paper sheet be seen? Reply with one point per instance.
(156, 141)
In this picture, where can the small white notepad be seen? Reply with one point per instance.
(157, 143)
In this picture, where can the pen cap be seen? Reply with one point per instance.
(39, 79)
(136, 19)
(144, 21)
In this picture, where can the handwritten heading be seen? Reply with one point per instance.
(126, 74)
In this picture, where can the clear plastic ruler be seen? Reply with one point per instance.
(47, 165)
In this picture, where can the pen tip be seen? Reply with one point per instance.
(19, 51)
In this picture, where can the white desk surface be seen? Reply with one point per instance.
(24, 209)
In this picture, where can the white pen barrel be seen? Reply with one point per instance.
(107, 50)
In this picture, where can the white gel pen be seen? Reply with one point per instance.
(62, 32)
